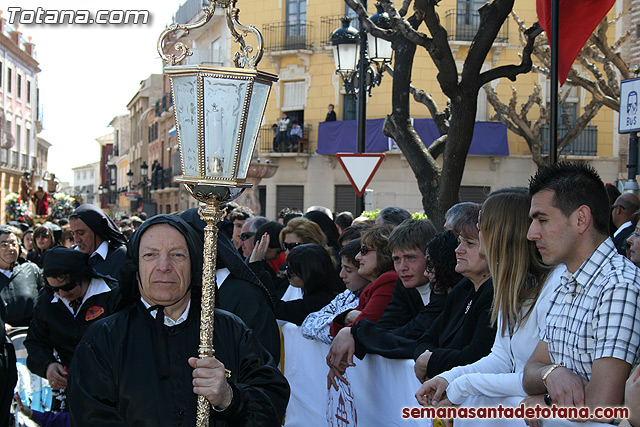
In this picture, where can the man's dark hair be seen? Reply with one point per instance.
(344, 219)
(241, 213)
(574, 184)
(412, 233)
(287, 214)
(351, 233)
(350, 250)
(393, 215)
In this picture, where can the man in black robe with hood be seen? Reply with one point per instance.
(96, 234)
(138, 367)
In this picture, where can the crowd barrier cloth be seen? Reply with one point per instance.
(378, 388)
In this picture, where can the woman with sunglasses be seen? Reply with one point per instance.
(43, 240)
(522, 288)
(73, 298)
(376, 265)
(300, 231)
(310, 268)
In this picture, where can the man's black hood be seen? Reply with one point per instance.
(129, 271)
(100, 223)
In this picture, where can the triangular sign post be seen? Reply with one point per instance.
(360, 168)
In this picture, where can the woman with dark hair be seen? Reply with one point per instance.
(43, 240)
(309, 268)
(74, 297)
(441, 262)
(376, 265)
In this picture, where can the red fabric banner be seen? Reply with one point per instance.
(578, 19)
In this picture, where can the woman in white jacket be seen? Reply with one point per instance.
(522, 287)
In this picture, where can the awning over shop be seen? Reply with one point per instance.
(489, 138)
(172, 132)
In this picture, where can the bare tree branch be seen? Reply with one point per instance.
(512, 71)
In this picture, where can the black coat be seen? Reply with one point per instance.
(398, 343)
(115, 377)
(20, 292)
(462, 334)
(111, 265)
(54, 327)
(8, 372)
(621, 240)
(247, 301)
(405, 304)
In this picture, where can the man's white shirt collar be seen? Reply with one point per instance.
(167, 320)
(622, 227)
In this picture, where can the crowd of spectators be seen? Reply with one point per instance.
(531, 297)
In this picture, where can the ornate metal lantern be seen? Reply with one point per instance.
(218, 111)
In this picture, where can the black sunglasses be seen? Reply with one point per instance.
(364, 249)
(247, 235)
(68, 287)
(289, 246)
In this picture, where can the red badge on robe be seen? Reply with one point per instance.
(93, 313)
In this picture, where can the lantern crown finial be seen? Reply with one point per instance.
(247, 57)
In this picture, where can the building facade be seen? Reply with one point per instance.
(86, 180)
(20, 116)
(296, 34)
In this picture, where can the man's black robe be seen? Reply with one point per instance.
(20, 292)
(115, 377)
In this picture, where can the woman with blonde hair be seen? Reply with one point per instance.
(300, 231)
(521, 301)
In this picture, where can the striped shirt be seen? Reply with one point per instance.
(595, 312)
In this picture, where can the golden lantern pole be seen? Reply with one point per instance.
(218, 112)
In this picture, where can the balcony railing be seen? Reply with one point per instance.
(586, 144)
(281, 36)
(464, 26)
(328, 24)
(266, 141)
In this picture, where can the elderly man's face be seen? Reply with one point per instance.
(164, 266)
(83, 236)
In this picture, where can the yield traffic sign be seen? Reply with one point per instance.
(360, 168)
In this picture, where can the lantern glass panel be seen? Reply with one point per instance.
(256, 112)
(223, 107)
(345, 57)
(379, 49)
(185, 93)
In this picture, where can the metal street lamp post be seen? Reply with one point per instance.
(144, 170)
(360, 77)
(130, 178)
(218, 112)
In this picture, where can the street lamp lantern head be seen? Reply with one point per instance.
(130, 176)
(218, 111)
(144, 168)
(346, 49)
(379, 49)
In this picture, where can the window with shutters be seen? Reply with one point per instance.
(295, 95)
(474, 193)
(289, 196)
(345, 199)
